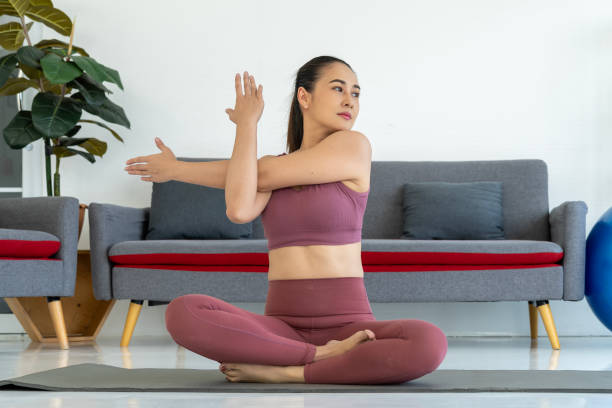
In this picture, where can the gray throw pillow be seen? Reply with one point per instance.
(446, 210)
(191, 211)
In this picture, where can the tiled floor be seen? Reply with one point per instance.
(18, 356)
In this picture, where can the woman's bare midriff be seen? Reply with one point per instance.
(317, 261)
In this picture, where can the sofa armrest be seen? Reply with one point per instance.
(56, 215)
(109, 224)
(568, 229)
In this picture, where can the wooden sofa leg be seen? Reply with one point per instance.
(533, 320)
(24, 318)
(57, 317)
(549, 323)
(130, 321)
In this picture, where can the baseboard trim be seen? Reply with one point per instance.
(10, 325)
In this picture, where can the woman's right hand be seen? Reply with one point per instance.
(249, 104)
(158, 167)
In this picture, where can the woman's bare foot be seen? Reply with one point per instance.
(336, 347)
(238, 372)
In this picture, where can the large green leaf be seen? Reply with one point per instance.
(55, 88)
(95, 146)
(41, 3)
(89, 89)
(8, 31)
(8, 64)
(73, 131)
(89, 82)
(115, 134)
(16, 85)
(57, 43)
(30, 56)
(92, 145)
(37, 74)
(30, 72)
(18, 7)
(98, 71)
(20, 131)
(12, 36)
(21, 35)
(108, 110)
(90, 157)
(63, 151)
(6, 9)
(51, 17)
(54, 115)
(57, 70)
(62, 52)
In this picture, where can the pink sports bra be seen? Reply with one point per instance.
(318, 214)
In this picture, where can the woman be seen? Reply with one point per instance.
(318, 325)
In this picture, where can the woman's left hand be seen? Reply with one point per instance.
(250, 104)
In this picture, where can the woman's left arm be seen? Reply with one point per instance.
(241, 176)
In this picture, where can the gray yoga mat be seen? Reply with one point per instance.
(100, 377)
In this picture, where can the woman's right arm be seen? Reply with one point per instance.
(164, 166)
(210, 173)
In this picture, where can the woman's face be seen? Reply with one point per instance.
(335, 92)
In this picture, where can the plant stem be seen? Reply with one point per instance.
(56, 184)
(48, 167)
(71, 37)
(47, 144)
(25, 30)
(56, 175)
(27, 36)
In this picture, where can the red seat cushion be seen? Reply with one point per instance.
(15, 243)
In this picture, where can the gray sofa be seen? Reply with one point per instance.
(126, 266)
(39, 256)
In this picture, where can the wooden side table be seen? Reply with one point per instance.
(84, 315)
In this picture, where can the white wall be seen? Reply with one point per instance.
(441, 80)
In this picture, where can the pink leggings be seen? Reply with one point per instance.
(299, 315)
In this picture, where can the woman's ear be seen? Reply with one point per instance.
(303, 97)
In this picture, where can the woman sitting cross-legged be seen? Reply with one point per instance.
(318, 325)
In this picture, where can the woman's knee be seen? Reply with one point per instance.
(426, 340)
(192, 300)
(438, 345)
(179, 310)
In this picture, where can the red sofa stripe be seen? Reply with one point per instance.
(243, 258)
(367, 258)
(366, 268)
(8, 258)
(458, 258)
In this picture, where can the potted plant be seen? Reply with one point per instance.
(55, 69)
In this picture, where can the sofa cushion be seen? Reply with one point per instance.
(191, 252)
(190, 211)
(18, 243)
(377, 254)
(442, 210)
(456, 252)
